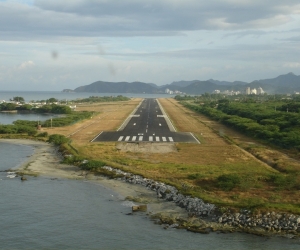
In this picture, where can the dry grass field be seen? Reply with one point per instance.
(193, 168)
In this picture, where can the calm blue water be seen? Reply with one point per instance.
(42, 213)
(8, 118)
(44, 95)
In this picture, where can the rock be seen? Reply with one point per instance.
(142, 208)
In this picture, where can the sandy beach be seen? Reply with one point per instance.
(46, 161)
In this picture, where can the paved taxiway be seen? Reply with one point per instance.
(148, 123)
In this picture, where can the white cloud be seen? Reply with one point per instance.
(26, 65)
(81, 18)
(292, 65)
(156, 41)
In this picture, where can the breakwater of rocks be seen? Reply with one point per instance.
(244, 220)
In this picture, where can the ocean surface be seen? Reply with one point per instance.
(44, 95)
(45, 213)
(8, 118)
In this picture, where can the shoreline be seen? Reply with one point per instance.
(46, 161)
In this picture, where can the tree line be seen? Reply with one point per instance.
(274, 121)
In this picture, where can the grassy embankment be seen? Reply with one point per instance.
(217, 170)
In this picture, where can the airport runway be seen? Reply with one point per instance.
(148, 123)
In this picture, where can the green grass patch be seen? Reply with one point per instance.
(228, 182)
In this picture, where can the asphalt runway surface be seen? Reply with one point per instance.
(147, 123)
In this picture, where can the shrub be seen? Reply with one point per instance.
(58, 139)
(92, 165)
(284, 181)
(228, 181)
(194, 176)
(73, 159)
(43, 134)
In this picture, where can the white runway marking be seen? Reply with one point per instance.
(151, 138)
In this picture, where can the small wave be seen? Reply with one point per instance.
(128, 204)
(11, 176)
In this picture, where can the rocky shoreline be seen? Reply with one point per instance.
(202, 217)
(206, 217)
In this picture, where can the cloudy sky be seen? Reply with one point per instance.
(57, 44)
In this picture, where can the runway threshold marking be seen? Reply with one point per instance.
(140, 138)
(127, 138)
(150, 138)
(133, 138)
(157, 138)
(164, 138)
(120, 138)
(171, 139)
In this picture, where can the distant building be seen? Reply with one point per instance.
(171, 92)
(248, 91)
(260, 91)
(254, 91)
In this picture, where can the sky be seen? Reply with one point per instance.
(53, 45)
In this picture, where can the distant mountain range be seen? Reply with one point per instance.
(283, 84)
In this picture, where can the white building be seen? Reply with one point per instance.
(260, 91)
(248, 91)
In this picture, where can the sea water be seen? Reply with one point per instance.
(50, 213)
(9, 118)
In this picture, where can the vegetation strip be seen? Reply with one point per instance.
(214, 218)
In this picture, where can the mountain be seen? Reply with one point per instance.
(283, 84)
(290, 79)
(227, 83)
(200, 87)
(118, 87)
(183, 83)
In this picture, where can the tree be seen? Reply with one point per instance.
(8, 106)
(18, 99)
(52, 100)
(24, 107)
